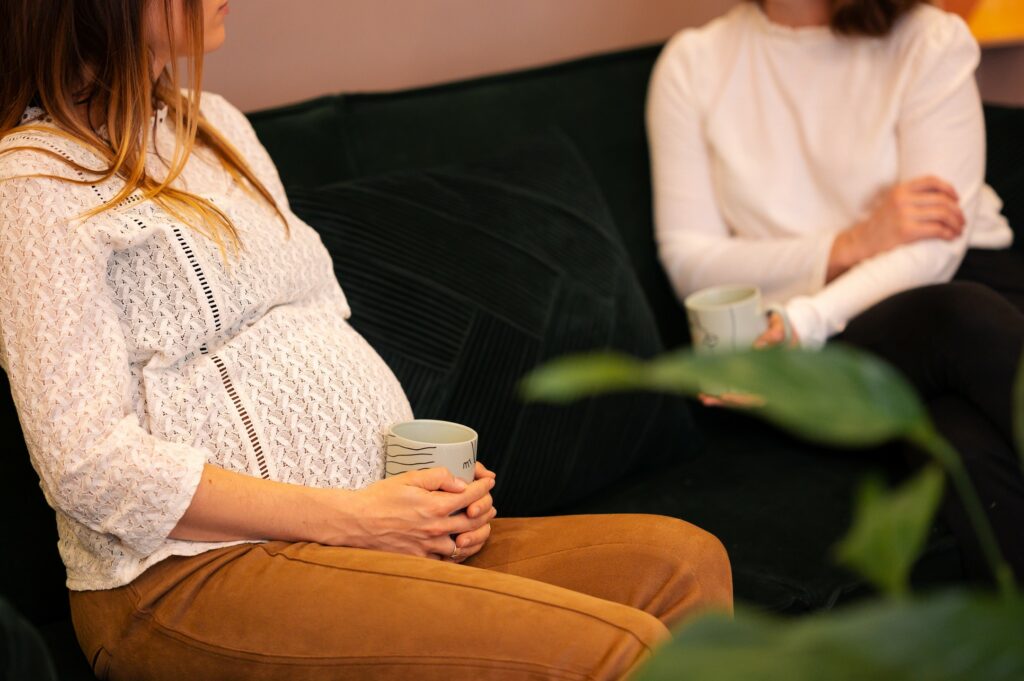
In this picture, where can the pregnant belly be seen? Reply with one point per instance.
(298, 397)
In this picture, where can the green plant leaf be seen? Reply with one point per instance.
(890, 528)
(929, 440)
(571, 378)
(947, 637)
(837, 396)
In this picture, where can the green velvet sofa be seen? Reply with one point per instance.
(777, 504)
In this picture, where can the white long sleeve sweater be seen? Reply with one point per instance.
(136, 354)
(767, 141)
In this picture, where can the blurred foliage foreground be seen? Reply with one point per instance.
(838, 397)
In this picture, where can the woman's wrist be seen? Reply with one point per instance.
(331, 516)
(846, 252)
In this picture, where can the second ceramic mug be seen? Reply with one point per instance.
(425, 443)
(725, 318)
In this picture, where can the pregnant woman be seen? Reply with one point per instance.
(833, 153)
(209, 428)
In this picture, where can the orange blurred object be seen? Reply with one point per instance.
(993, 22)
(961, 7)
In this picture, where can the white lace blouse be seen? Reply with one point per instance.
(137, 354)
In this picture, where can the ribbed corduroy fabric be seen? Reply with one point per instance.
(466, 277)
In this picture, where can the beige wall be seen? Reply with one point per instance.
(281, 51)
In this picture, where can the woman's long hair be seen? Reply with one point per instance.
(64, 54)
(874, 18)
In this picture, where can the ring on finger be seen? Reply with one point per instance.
(455, 553)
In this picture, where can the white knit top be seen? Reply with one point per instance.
(137, 354)
(767, 141)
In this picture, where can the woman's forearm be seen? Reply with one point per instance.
(415, 513)
(782, 267)
(230, 506)
(921, 209)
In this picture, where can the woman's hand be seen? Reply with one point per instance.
(775, 334)
(471, 542)
(923, 208)
(733, 400)
(416, 513)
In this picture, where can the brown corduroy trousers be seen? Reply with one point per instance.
(572, 597)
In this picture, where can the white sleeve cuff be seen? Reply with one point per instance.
(807, 323)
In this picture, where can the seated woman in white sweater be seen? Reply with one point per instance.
(833, 153)
(209, 428)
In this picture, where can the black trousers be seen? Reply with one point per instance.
(960, 345)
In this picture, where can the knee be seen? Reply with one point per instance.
(951, 317)
(700, 563)
(711, 567)
(967, 300)
(686, 539)
(955, 309)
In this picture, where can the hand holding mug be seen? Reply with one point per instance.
(427, 444)
(469, 543)
(777, 333)
(731, 318)
(416, 513)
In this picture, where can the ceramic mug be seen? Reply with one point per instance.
(425, 443)
(726, 319)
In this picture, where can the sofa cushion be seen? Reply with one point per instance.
(598, 102)
(31, 574)
(779, 505)
(465, 277)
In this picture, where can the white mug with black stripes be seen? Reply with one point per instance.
(425, 443)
